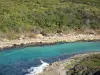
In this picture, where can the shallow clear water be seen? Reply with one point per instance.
(17, 60)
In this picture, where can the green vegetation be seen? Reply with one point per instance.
(48, 15)
(88, 66)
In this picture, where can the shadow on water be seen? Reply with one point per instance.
(20, 68)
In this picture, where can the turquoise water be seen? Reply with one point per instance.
(14, 61)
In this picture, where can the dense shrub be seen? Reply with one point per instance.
(49, 15)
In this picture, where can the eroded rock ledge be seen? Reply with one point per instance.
(81, 64)
(40, 39)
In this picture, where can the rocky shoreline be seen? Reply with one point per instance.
(46, 40)
(62, 67)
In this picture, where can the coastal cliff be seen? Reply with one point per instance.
(81, 64)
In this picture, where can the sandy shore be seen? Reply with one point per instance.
(4, 43)
(61, 67)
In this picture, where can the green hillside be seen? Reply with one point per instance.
(49, 15)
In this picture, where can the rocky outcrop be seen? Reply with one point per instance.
(40, 39)
(88, 66)
(80, 64)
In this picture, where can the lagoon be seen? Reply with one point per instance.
(16, 61)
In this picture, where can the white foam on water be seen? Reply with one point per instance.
(37, 70)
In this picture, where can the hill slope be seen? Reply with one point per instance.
(49, 15)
